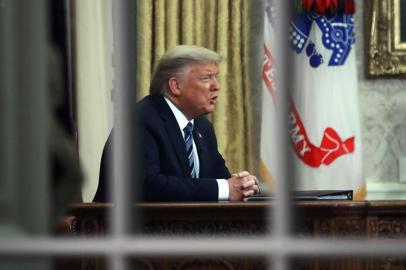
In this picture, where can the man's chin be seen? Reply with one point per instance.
(211, 109)
(208, 110)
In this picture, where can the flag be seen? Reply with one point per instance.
(324, 125)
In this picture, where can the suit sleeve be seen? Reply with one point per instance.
(218, 168)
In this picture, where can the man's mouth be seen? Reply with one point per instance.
(213, 100)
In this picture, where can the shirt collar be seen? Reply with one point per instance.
(180, 117)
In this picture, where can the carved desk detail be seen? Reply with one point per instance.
(339, 219)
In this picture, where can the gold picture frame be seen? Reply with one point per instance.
(386, 53)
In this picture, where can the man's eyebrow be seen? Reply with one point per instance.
(211, 73)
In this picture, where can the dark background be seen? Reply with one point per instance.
(59, 39)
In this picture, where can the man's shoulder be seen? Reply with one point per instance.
(146, 102)
(152, 110)
(148, 106)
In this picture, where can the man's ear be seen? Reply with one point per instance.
(174, 87)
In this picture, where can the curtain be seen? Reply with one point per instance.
(93, 45)
(220, 25)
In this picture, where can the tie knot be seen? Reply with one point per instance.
(189, 128)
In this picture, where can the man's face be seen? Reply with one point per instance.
(199, 88)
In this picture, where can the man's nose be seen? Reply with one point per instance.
(215, 83)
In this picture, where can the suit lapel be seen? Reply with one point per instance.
(199, 141)
(172, 127)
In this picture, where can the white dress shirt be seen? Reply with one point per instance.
(182, 122)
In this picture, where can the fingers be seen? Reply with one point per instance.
(243, 174)
(256, 189)
(256, 180)
(248, 184)
(248, 193)
(243, 185)
(247, 180)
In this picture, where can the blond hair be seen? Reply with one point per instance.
(174, 62)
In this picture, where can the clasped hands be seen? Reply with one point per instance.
(242, 185)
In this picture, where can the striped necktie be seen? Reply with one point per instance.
(189, 148)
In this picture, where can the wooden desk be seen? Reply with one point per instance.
(351, 219)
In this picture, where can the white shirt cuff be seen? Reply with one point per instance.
(223, 189)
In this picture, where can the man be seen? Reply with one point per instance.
(179, 155)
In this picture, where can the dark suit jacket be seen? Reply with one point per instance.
(166, 174)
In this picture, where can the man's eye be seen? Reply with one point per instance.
(209, 77)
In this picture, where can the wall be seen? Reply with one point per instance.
(383, 120)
